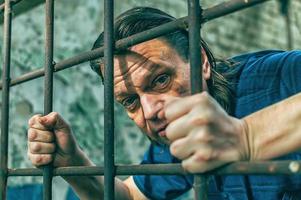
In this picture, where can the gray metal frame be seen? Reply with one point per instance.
(193, 22)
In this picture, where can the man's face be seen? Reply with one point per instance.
(145, 78)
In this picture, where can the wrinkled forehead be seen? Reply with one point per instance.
(153, 51)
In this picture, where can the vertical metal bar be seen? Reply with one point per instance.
(109, 44)
(5, 98)
(285, 11)
(48, 90)
(194, 17)
(290, 44)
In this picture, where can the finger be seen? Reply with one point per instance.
(182, 126)
(197, 140)
(40, 159)
(202, 161)
(34, 122)
(179, 107)
(192, 165)
(53, 120)
(33, 119)
(41, 148)
(229, 155)
(178, 128)
(40, 135)
(181, 148)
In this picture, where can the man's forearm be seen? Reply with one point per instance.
(275, 130)
(91, 187)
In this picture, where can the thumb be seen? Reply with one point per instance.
(54, 121)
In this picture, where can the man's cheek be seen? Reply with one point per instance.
(138, 119)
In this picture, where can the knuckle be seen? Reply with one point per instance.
(36, 160)
(31, 134)
(55, 114)
(194, 120)
(168, 131)
(201, 136)
(47, 158)
(191, 168)
(202, 156)
(35, 147)
(39, 160)
(174, 149)
(33, 119)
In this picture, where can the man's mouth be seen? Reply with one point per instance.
(162, 132)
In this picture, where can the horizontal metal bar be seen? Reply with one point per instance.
(12, 2)
(288, 167)
(208, 14)
(20, 7)
(228, 7)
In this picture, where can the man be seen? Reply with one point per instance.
(203, 131)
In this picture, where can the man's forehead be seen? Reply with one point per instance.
(143, 54)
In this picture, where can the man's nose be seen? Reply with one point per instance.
(151, 105)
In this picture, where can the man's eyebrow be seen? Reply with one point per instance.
(155, 67)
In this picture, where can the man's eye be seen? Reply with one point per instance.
(129, 102)
(161, 81)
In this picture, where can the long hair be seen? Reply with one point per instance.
(139, 19)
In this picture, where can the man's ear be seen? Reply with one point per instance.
(206, 66)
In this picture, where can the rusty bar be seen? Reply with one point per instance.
(5, 98)
(208, 15)
(228, 7)
(109, 159)
(288, 167)
(194, 12)
(195, 59)
(48, 90)
(12, 3)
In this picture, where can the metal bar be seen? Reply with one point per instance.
(228, 7)
(109, 44)
(12, 3)
(48, 90)
(194, 46)
(208, 15)
(20, 7)
(195, 59)
(285, 11)
(5, 99)
(288, 167)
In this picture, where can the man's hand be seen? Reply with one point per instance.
(50, 140)
(203, 135)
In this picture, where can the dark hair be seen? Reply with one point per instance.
(139, 19)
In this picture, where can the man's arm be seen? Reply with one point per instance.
(275, 130)
(91, 188)
(204, 136)
(50, 140)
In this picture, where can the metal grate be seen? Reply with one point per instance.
(110, 170)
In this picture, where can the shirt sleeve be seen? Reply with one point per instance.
(161, 187)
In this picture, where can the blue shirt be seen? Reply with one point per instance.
(266, 77)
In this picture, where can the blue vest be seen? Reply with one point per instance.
(266, 77)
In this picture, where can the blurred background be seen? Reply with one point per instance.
(78, 92)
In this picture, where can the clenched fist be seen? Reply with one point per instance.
(50, 140)
(203, 135)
